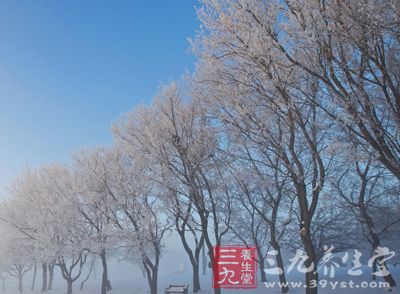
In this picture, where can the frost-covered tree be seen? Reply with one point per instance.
(282, 57)
(266, 199)
(252, 89)
(248, 228)
(277, 121)
(136, 212)
(29, 209)
(97, 207)
(351, 49)
(176, 140)
(39, 206)
(181, 211)
(71, 230)
(16, 256)
(370, 193)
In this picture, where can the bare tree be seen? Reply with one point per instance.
(369, 193)
(16, 254)
(266, 196)
(18, 271)
(88, 274)
(76, 262)
(137, 212)
(34, 276)
(187, 227)
(247, 227)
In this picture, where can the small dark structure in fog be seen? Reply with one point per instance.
(173, 289)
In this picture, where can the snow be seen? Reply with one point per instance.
(130, 281)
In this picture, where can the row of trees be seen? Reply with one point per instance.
(285, 136)
(316, 85)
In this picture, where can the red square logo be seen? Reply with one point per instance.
(235, 267)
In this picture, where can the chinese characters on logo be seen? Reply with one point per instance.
(328, 263)
(235, 267)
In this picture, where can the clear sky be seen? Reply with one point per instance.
(69, 69)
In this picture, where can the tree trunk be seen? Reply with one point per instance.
(312, 282)
(204, 259)
(20, 288)
(152, 271)
(305, 236)
(34, 277)
(69, 286)
(193, 257)
(153, 283)
(277, 248)
(262, 267)
(282, 277)
(204, 228)
(44, 277)
(213, 262)
(196, 278)
(88, 275)
(311, 276)
(51, 275)
(105, 284)
(374, 268)
(389, 278)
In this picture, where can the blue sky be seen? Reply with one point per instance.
(69, 69)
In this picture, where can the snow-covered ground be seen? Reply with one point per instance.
(130, 281)
(175, 269)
